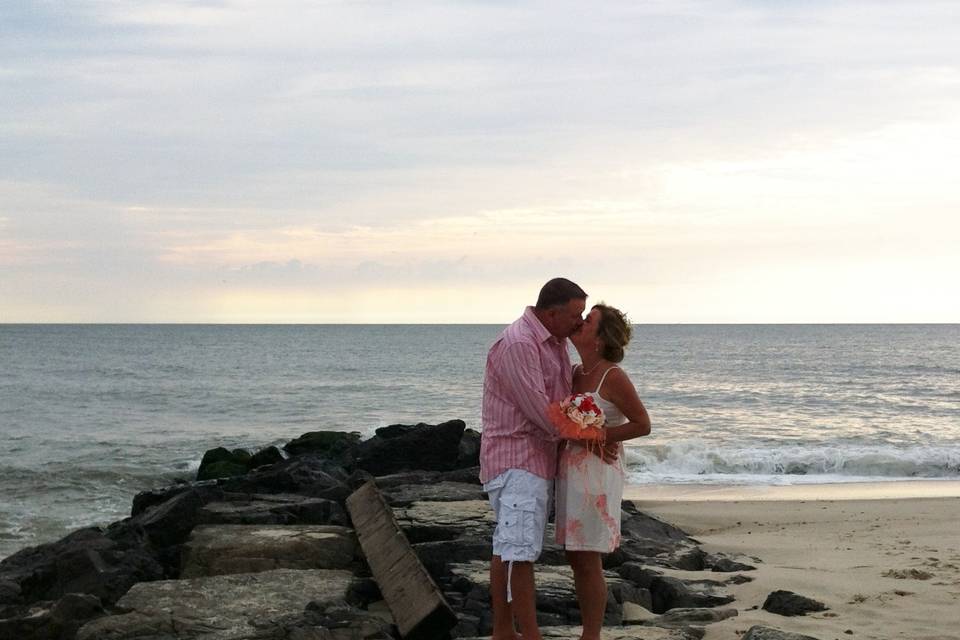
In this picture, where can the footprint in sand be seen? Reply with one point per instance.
(907, 574)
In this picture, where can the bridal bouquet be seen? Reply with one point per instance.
(577, 417)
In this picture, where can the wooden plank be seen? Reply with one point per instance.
(417, 605)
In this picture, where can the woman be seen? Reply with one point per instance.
(589, 489)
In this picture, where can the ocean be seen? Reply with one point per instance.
(92, 414)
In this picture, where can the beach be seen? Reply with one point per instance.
(884, 557)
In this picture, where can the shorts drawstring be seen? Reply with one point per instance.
(509, 575)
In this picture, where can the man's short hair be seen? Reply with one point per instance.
(559, 292)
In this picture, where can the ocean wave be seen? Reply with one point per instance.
(695, 460)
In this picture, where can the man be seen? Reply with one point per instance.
(528, 367)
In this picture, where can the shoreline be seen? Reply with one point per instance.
(875, 490)
(884, 557)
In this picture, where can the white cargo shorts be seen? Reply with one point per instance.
(521, 504)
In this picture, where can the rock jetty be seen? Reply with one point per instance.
(262, 546)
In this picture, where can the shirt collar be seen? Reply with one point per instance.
(540, 331)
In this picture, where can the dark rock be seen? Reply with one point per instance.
(439, 521)
(738, 579)
(438, 555)
(207, 490)
(787, 603)
(672, 593)
(443, 491)
(9, 592)
(469, 450)
(723, 564)
(304, 474)
(264, 457)
(628, 592)
(404, 447)
(281, 509)
(364, 591)
(218, 454)
(470, 475)
(758, 632)
(222, 463)
(344, 622)
(338, 446)
(651, 541)
(225, 469)
(358, 478)
(413, 478)
(86, 561)
(170, 523)
(675, 618)
(72, 611)
(468, 626)
(638, 574)
(467, 475)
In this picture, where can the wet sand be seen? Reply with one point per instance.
(884, 557)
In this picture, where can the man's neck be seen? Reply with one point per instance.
(542, 317)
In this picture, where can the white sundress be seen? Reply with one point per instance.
(589, 491)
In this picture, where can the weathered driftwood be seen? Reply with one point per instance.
(417, 605)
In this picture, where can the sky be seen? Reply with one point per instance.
(436, 162)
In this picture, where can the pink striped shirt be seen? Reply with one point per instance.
(527, 369)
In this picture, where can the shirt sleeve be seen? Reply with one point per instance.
(522, 376)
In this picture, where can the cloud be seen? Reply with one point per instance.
(176, 145)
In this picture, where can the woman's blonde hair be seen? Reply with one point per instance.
(614, 331)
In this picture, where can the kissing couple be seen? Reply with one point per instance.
(524, 461)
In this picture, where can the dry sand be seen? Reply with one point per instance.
(885, 558)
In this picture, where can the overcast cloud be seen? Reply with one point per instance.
(369, 161)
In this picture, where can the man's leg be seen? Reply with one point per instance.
(502, 611)
(525, 600)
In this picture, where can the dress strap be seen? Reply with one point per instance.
(604, 377)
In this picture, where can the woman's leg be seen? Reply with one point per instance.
(591, 590)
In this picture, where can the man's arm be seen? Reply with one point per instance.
(523, 378)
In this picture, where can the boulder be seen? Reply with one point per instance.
(672, 593)
(225, 549)
(226, 607)
(223, 463)
(9, 592)
(267, 456)
(442, 491)
(468, 475)
(273, 509)
(787, 603)
(405, 447)
(723, 564)
(305, 474)
(52, 620)
(647, 540)
(433, 521)
(169, 523)
(85, 561)
(688, 617)
(340, 621)
(758, 632)
(338, 446)
(208, 490)
(469, 451)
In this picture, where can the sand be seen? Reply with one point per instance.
(885, 558)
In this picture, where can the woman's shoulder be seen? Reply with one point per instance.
(617, 377)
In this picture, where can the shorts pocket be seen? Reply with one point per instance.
(518, 521)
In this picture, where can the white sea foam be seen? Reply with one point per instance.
(700, 461)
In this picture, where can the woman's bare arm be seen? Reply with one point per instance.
(620, 391)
